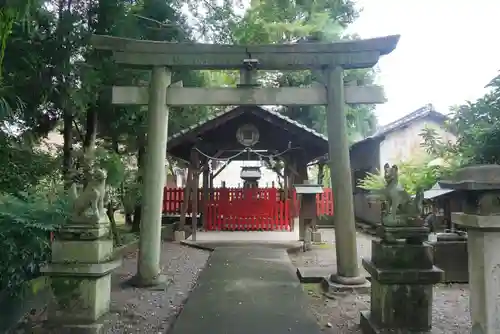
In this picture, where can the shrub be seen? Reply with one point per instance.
(25, 226)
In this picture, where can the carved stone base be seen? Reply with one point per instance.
(83, 231)
(80, 300)
(82, 251)
(331, 287)
(402, 278)
(417, 234)
(81, 294)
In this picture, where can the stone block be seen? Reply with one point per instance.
(82, 231)
(79, 300)
(82, 251)
(403, 276)
(403, 306)
(316, 236)
(314, 274)
(167, 232)
(401, 255)
(179, 235)
(418, 233)
(452, 257)
(332, 288)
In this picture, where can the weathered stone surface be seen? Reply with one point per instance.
(481, 217)
(81, 270)
(79, 300)
(243, 96)
(401, 256)
(403, 276)
(407, 306)
(452, 258)
(416, 232)
(316, 236)
(346, 54)
(314, 274)
(179, 235)
(83, 231)
(480, 177)
(92, 251)
(332, 288)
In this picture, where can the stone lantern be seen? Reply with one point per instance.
(481, 217)
(307, 214)
(251, 176)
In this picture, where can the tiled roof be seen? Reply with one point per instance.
(268, 110)
(420, 113)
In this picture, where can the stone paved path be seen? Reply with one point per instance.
(247, 290)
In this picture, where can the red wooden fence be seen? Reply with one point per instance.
(246, 209)
(173, 198)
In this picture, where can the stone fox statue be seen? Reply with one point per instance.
(92, 197)
(399, 201)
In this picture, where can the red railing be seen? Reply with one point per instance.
(246, 209)
(173, 198)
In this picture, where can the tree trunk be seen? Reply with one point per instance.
(110, 212)
(89, 141)
(136, 222)
(129, 219)
(67, 162)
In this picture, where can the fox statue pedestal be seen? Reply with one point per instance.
(401, 267)
(403, 276)
(80, 270)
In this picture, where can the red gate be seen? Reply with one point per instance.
(247, 210)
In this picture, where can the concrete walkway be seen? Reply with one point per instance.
(247, 290)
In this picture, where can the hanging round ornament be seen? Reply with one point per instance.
(247, 135)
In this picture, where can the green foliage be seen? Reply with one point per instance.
(421, 172)
(25, 226)
(372, 181)
(112, 163)
(22, 166)
(477, 126)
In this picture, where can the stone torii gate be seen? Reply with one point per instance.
(330, 59)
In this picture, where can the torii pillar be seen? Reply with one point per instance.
(348, 273)
(148, 265)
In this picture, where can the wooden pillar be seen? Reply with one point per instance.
(286, 185)
(148, 264)
(340, 174)
(185, 202)
(321, 173)
(302, 171)
(194, 219)
(206, 191)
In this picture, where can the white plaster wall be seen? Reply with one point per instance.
(404, 144)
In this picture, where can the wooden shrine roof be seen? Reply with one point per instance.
(277, 133)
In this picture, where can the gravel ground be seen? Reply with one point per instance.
(141, 310)
(450, 312)
(146, 311)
